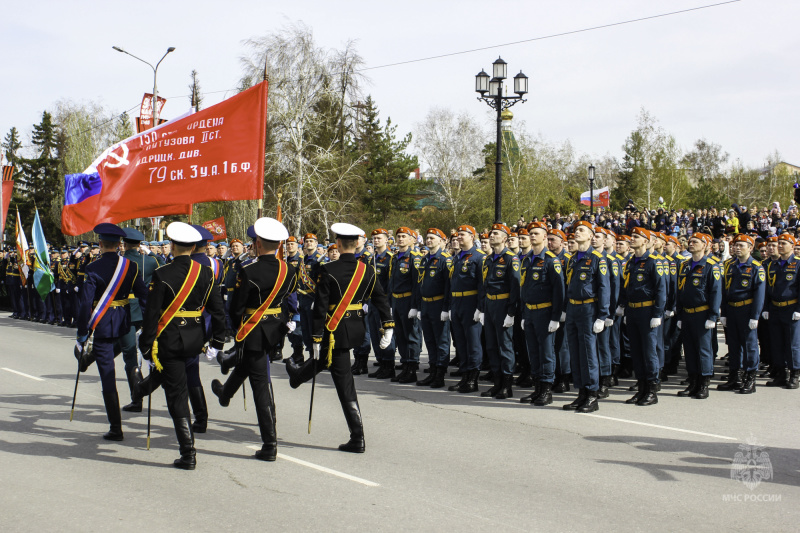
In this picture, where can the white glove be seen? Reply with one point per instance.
(553, 326)
(655, 322)
(317, 348)
(598, 326)
(669, 314)
(620, 311)
(522, 324)
(795, 316)
(366, 308)
(679, 324)
(608, 322)
(76, 288)
(625, 320)
(79, 346)
(724, 321)
(765, 315)
(477, 316)
(386, 340)
(211, 353)
(753, 324)
(481, 319)
(445, 316)
(412, 314)
(291, 326)
(710, 324)
(58, 291)
(508, 321)
(419, 315)
(224, 297)
(312, 306)
(563, 316)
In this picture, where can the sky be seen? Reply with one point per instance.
(727, 74)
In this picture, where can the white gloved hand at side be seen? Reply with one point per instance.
(211, 352)
(679, 324)
(620, 311)
(563, 317)
(445, 316)
(553, 326)
(412, 314)
(291, 325)
(481, 319)
(669, 314)
(655, 322)
(522, 324)
(765, 315)
(477, 316)
(724, 321)
(76, 288)
(316, 350)
(365, 307)
(386, 340)
(710, 324)
(419, 315)
(608, 322)
(508, 321)
(753, 324)
(58, 291)
(598, 326)
(795, 316)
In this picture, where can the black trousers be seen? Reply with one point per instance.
(255, 366)
(173, 379)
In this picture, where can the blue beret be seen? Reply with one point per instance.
(213, 244)
(223, 243)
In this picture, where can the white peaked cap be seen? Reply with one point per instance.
(183, 233)
(270, 229)
(347, 230)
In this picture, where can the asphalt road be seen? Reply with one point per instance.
(435, 460)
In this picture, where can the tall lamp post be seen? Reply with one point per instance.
(155, 74)
(591, 192)
(491, 92)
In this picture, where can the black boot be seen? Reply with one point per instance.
(640, 392)
(219, 390)
(111, 399)
(749, 383)
(438, 381)
(649, 397)
(702, 389)
(429, 379)
(183, 430)
(583, 393)
(663, 377)
(734, 381)
(560, 384)
(464, 378)
(493, 391)
(453, 361)
(136, 403)
(614, 377)
(779, 379)
(471, 384)
(403, 372)
(489, 376)
(353, 416)
(411, 373)
(386, 371)
(693, 382)
(197, 397)
(229, 359)
(505, 391)
(266, 424)
(360, 365)
(794, 380)
(590, 405)
(545, 395)
(300, 374)
(602, 392)
(524, 380)
(530, 398)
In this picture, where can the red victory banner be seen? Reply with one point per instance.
(5, 194)
(217, 228)
(216, 154)
(145, 120)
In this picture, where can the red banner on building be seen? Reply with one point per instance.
(217, 228)
(145, 120)
(216, 154)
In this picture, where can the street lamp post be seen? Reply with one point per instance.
(498, 102)
(591, 192)
(155, 74)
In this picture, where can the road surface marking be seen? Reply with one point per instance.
(723, 437)
(22, 374)
(323, 469)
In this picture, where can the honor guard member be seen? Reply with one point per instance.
(262, 310)
(784, 313)
(556, 243)
(542, 301)
(146, 265)
(308, 284)
(294, 258)
(72, 288)
(434, 290)
(699, 300)
(83, 259)
(382, 259)
(343, 287)
(466, 295)
(173, 329)
(642, 300)
(587, 296)
(361, 353)
(229, 273)
(743, 294)
(501, 288)
(404, 299)
(13, 285)
(104, 313)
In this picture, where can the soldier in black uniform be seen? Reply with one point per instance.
(332, 284)
(182, 337)
(259, 312)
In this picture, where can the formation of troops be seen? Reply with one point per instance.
(560, 311)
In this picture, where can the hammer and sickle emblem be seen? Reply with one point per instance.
(121, 160)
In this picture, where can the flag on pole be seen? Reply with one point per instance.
(5, 194)
(22, 251)
(216, 154)
(217, 229)
(42, 275)
(601, 197)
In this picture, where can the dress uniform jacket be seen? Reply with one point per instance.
(146, 265)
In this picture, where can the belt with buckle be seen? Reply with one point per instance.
(742, 303)
(433, 298)
(268, 312)
(692, 310)
(464, 293)
(641, 304)
(351, 307)
(581, 302)
(534, 307)
(784, 304)
(502, 296)
(397, 296)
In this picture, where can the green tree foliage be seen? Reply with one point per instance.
(195, 96)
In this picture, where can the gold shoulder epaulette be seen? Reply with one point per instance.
(550, 254)
(598, 254)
